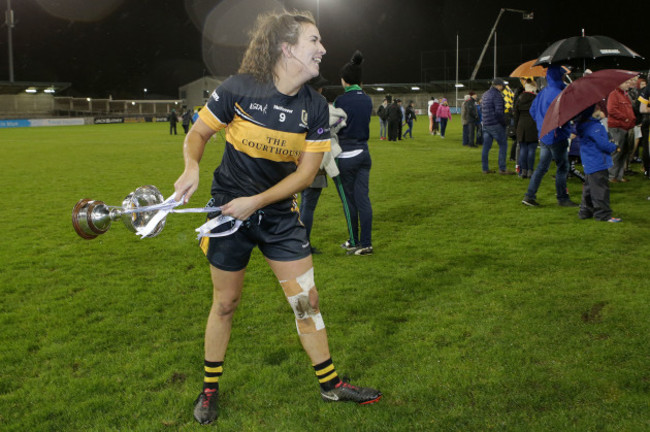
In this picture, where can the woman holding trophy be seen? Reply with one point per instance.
(278, 129)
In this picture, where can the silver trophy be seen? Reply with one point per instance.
(91, 218)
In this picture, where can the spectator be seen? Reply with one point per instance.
(354, 160)
(494, 126)
(444, 115)
(173, 119)
(644, 110)
(402, 122)
(410, 116)
(526, 129)
(469, 117)
(620, 119)
(478, 127)
(187, 120)
(382, 113)
(633, 94)
(508, 105)
(310, 196)
(394, 119)
(432, 116)
(433, 110)
(554, 145)
(595, 151)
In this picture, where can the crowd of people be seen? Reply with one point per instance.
(605, 139)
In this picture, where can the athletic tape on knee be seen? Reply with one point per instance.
(308, 319)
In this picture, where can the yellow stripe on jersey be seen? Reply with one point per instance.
(259, 142)
(644, 100)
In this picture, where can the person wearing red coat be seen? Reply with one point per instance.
(620, 119)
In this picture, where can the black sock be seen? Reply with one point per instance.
(212, 373)
(326, 374)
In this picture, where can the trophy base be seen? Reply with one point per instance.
(82, 218)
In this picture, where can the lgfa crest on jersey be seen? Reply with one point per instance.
(304, 117)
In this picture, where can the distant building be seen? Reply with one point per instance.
(197, 92)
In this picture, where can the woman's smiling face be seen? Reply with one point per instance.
(309, 51)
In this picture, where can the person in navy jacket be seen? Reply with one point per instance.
(354, 160)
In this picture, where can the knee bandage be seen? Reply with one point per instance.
(298, 292)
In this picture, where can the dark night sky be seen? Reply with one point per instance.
(120, 47)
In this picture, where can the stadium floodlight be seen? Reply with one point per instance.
(49, 90)
(380, 89)
(415, 88)
(459, 85)
(31, 90)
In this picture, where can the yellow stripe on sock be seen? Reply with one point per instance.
(218, 369)
(325, 371)
(211, 379)
(328, 377)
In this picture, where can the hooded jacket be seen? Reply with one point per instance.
(540, 105)
(595, 146)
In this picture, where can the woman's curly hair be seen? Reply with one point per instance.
(270, 32)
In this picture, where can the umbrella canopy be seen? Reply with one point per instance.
(528, 69)
(581, 94)
(584, 47)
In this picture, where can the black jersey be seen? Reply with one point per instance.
(266, 132)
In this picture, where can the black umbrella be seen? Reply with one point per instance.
(584, 47)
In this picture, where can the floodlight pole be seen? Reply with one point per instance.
(525, 15)
(456, 85)
(9, 21)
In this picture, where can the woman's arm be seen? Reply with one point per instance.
(299, 180)
(193, 148)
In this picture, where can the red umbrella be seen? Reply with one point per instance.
(581, 94)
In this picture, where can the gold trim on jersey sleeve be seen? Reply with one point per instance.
(318, 146)
(211, 119)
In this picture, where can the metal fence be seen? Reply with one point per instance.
(71, 107)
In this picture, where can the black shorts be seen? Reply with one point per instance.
(280, 237)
